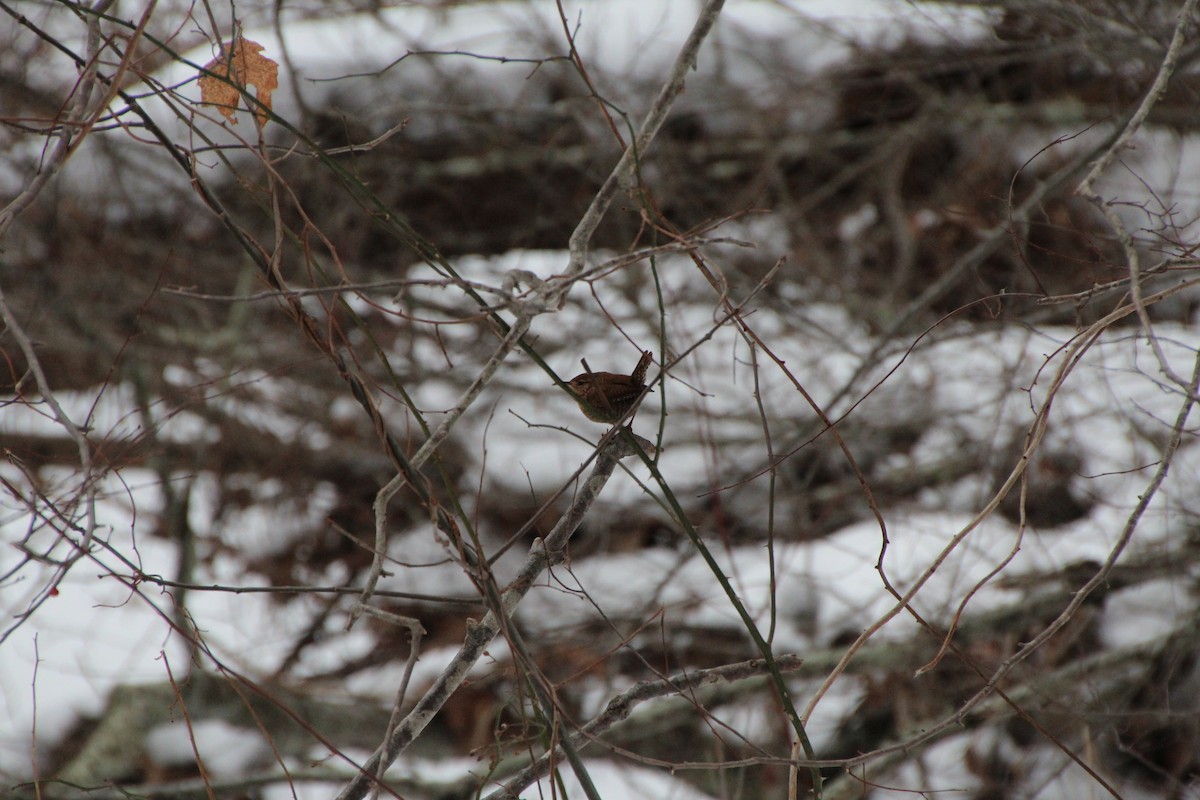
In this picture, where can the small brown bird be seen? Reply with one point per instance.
(607, 397)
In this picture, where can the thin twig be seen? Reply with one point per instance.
(624, 170)
(1086, 190)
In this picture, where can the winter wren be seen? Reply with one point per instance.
(607, 397)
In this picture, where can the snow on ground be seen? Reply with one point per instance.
(95, 634)
(376, 68)
(982, 385)
(227, 750)
(619, 780)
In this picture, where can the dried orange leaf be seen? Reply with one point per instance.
(241, 65)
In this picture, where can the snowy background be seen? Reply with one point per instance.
(864, 149)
